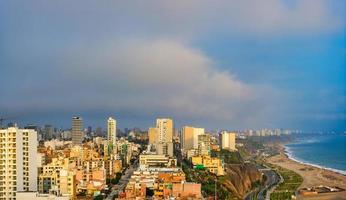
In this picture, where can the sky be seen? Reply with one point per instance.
(219, 65)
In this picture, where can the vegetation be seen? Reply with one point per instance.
(98, 197)
(291, 182)
(149, 192)
(114, 180)
(229, 157)
(207, 180)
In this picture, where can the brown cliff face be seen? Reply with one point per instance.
(240, 177)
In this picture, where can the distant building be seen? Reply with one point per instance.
(112, 131)
(48, 132)
(18, 161)
(228, 140)
(77, 130)
(153, 135)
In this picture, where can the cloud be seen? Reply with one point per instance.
(180, 19)
(161, 77)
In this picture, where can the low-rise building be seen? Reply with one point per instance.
(214, 165)
(154, 160)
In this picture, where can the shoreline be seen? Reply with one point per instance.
(313, 176)
(290, 156)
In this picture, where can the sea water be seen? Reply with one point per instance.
(324, 151)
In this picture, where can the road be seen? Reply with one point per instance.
(123, 181)
(272, 179)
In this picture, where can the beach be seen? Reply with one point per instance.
(313, 176)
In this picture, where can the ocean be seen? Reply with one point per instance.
(324, 151)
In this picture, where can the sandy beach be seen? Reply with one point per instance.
(313, 176)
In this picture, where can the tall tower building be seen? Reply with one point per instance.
(165, 130)
(112, 131)
(203, 144)
(18, 166)
(164, 142)
(189, 137)
(77, 130)
(153, 135)
(228, 141)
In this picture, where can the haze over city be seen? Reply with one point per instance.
(231, 64)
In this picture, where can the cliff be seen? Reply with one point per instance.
(239, 178)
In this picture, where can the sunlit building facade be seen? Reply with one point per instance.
(18, 163)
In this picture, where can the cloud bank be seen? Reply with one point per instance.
(160, 77)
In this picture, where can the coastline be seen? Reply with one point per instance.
(289, 154)
(313, 175)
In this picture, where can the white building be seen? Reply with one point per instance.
(112, 131)
(18, 161)
(228, 140)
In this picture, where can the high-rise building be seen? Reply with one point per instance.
(203, 144)
(153, 135)
(77, 130)
(189, 137)
(18, 166)
(164, 142)
(228, 140)
(165, 130)
(48, 132)
(112, 131)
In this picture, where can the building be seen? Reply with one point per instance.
(48, 132)
(112, 131)
(204, 144)
(164, 148)
(153, 135)
(153, 160)
(37, 196)
(214, 165)
(165, 130)
(228, 141)
(77, 130)
(189, 137)
(18, 161)
(164, 141)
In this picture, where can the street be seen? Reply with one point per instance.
(272, 179)
(123, 181)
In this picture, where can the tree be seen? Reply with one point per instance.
(98, 197)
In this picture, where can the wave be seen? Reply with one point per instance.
(289, 154)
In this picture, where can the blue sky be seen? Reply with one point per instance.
(230, 65)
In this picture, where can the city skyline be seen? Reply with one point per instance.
(233, 65)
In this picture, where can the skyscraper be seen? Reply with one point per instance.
(164, 142)
(77, 130)
(228, 141)
(204, 144)
(165, 130)
(153, 135)
(189, 137)
(18, 166)
(112, 131)
(48, 132)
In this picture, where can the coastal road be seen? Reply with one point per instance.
(272, 179)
